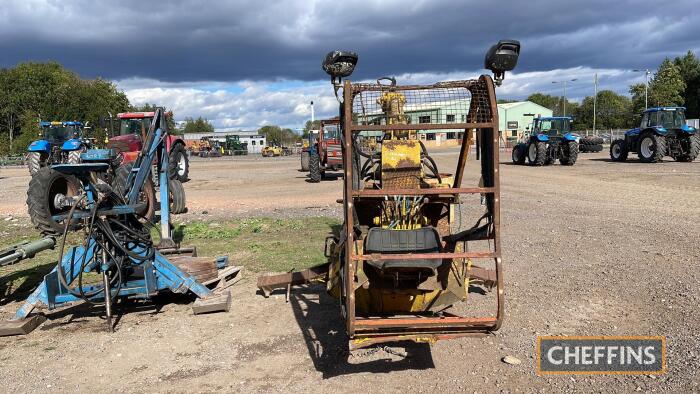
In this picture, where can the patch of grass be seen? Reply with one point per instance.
(259, 244)
(262, 244)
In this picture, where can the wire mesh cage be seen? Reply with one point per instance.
(447, 104)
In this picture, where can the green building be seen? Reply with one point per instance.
(516, 118)
(513, 118)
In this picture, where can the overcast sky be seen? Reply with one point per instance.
(243, 64)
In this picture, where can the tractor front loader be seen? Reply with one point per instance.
(403, 265)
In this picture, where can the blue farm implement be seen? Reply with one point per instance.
(62, 142)
(662, 132)
(118, 257)
(551, 139)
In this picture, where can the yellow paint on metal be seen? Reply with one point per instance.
(56, 123)
(392, 104)
(379, 301)
(400, 154)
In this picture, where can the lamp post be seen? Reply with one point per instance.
(595, 99)
(646, 85)
(564, 83)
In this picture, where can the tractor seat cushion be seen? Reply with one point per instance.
(386, 241)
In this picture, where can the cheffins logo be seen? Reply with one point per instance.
(601, 355)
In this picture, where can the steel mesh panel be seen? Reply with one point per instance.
(443, 104)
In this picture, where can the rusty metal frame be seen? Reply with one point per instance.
(369, 331)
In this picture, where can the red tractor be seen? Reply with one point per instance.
(127, 140)
(325, 152)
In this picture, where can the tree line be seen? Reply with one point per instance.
(676, 82)
(31, 92)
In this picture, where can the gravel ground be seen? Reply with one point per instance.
(600, 248)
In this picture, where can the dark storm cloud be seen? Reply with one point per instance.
(186, 40)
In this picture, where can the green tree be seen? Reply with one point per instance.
(667, 87)
(30, 92)
(276, 135)
(315, 125)
(555, 103)
(613, 111)
(689, 68)
(170, 116)
(199, 125)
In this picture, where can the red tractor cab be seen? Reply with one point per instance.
(129, 133)
(325, 150)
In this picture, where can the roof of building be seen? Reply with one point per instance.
(507, 106)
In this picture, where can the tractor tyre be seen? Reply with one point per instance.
(596, 148)
(519, 153)
(569, 154)
(177, 197)
(652, 148)
(619, 150)
(314, 167)
(74, 156)
(537, 153)
(43, 189)
(35, 161)
(305, 161)
(693, 149)
(147, 195)
(584, 148)
(178, 163)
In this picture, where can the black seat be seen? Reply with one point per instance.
(386, 241)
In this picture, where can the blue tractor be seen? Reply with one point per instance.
(662, 132)
(551, 139)
(62, 142)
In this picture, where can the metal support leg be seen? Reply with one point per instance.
(108, 300)
(108, 291)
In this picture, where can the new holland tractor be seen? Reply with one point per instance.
(325, 153)
(662, 132)
(416, 245)
(62, 142)
(551, 139)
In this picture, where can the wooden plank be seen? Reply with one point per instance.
(21, 326)
(214, 303)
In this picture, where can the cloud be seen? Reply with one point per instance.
(245, 63)
(249, 105)
(182, 40)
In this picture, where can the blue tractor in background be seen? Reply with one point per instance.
(550, 139)
(662, 132)
(62, 142)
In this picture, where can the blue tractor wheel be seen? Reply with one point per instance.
(35, 161)
(537, 153)
(693, 149)
(569, 153)
(652, 148)
(619, 150)
(519, 153)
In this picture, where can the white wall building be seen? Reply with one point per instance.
(254, 140)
